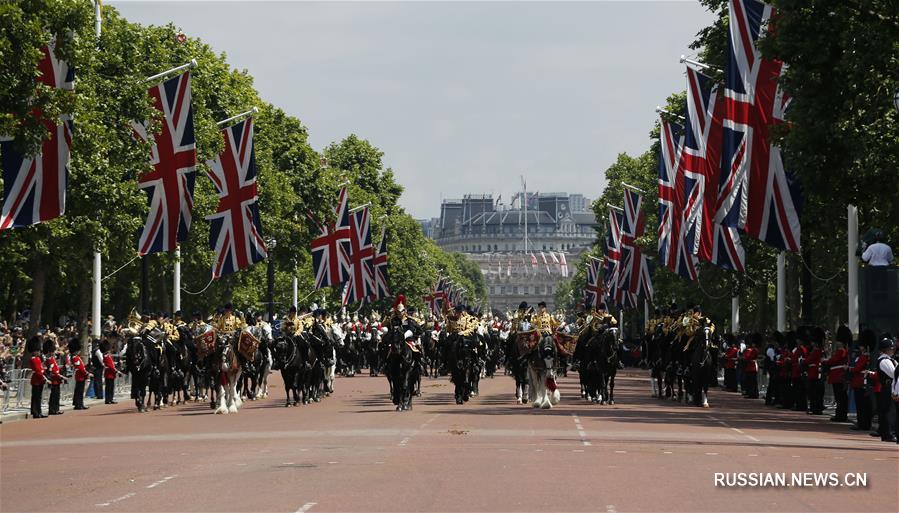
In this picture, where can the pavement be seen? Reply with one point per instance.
(353, 452)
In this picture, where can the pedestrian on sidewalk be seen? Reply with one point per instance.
(836, 367)
(109, 372)
(81, 373)
(97, 364)
(37, 376)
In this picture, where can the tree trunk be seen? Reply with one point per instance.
(38, 290)
(166, 299)
(808, 316)
(12, 300)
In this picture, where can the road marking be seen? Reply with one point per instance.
(795, 455)
(611, 509)
(578, 450)
(161, 481)
(738, 430)
(667, 452)
(331, 462)
(404, 441)
(620, 452)
(711, 454)
(113, 501)
(306, 507)
(753, 455)
(580, 430)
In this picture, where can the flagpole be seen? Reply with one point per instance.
(628, 186)
(250, 112)
(660, 110)
(96, 295)
(360, 207)
(176, 300)
(295, 292)
(781, 292)
(700, 65)
(852, 267)
(189, 65)
(98, 19)
(735, 314)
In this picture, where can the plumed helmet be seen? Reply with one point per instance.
(33, 344)
(408, 335)
(400, 303)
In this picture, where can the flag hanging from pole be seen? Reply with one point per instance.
(331, 249)
(361, 282)
(594, 291)
(170, 185)
(235, 233)
(757, 194)
(34, 188)
(382, 287)
(673, 252)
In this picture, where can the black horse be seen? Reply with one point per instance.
(517, 365)
(156, 343)
(137, 363)
(658, 356)
(607, 363)
(287, 358)
(462, 360)
(402, 369)
(701, 355)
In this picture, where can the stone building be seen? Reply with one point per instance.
(493, 236)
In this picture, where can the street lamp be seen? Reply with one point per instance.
(271, 243)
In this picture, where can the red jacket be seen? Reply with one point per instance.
(37, 371)
(80, 370)
(730, 357)
(798, 354)
(783, 364)
(53, 368)
(749, 356)
(857, 372)
(814, 363)
(109, 371)
(837, 364)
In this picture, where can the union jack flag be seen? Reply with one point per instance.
(331, 249)
(35, 186)
(594, 292)
(673, 252)
(759, 195)
(235, 232)
(613, 255)
(700, 163)
(382, 289)
(170, 186)
(361, 283)
(634, 271)
(437, 297)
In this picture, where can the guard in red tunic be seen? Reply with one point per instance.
(751, 366)
(54, 375)
(862, 381)
(37, 376)
(81, 373)
(814, 383)
(730, 367)
(836, 367)
(109, 373)
(797, 374)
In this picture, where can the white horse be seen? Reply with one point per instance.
(337, 337)
(542, 377)
(228, 376)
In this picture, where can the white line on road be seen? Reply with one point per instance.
(306, 507)
(404, 441)
(163, 480)
(580, 430)
(611, 509)
(113, 501)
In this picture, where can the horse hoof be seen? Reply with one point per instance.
(706, 405)
(611, 402)
(398, 408)
(232, 409)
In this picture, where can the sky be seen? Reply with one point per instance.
(462, 97)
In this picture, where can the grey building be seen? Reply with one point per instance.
(494, 237)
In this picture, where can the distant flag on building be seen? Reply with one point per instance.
(331, 249)
(563, 265)
(545, 262)
(170, 185)
(34, 187)
(757, 194)
(235, 232)
(534, 262)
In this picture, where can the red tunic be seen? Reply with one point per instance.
(80, 370)
(749, 356)
(798, 353)
(53, 367)
(837, 364)
(730, 357)
(783, 365)
(857, 372)
(37, 371)
(109, 371)
(814, 363)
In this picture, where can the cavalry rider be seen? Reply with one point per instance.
(197, 324)
(292, 324)
(543, 322)
(521, 316)
(171, 327)
(227, 322)
(397, 316)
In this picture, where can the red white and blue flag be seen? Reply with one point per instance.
(361, 282)
(235, 232)
(35, 186)
(673, 253)
(594, 291)
(437, 297)
(759, 196)
(634, 275)
(331, 249)
(382, 287)
(700, 163)
(170, 186)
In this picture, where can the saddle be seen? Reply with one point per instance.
(565, 344)
(205, 343)
(247, 345)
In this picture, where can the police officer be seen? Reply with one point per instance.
(886, 372)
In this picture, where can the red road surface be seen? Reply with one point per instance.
(353, 452)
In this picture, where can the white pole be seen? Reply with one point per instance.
(176, 301)
(98, 19)
(852, 267)
(295, 292)
(189, 65)
(95, 296)
(645, 315)
(781, 292)
(621, 324)
(735, 314)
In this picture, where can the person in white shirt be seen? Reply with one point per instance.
(878, 254)
(886, 408)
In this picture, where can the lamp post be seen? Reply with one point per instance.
(271, 243)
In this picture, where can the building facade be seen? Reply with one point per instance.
(524, 252)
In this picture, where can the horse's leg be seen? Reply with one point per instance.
(612, 388)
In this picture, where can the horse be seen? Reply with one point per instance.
(607, 364)
(517, 365)
(156, 342)
(286, 357)
(373, 353)
(137, 363)
(541, 374)
(227, 369)
(462, 359)
(586, 355)
(658, 355)
(254, 374)
(702, 361)
(179, 357)
(402, 369)
(431, 357)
